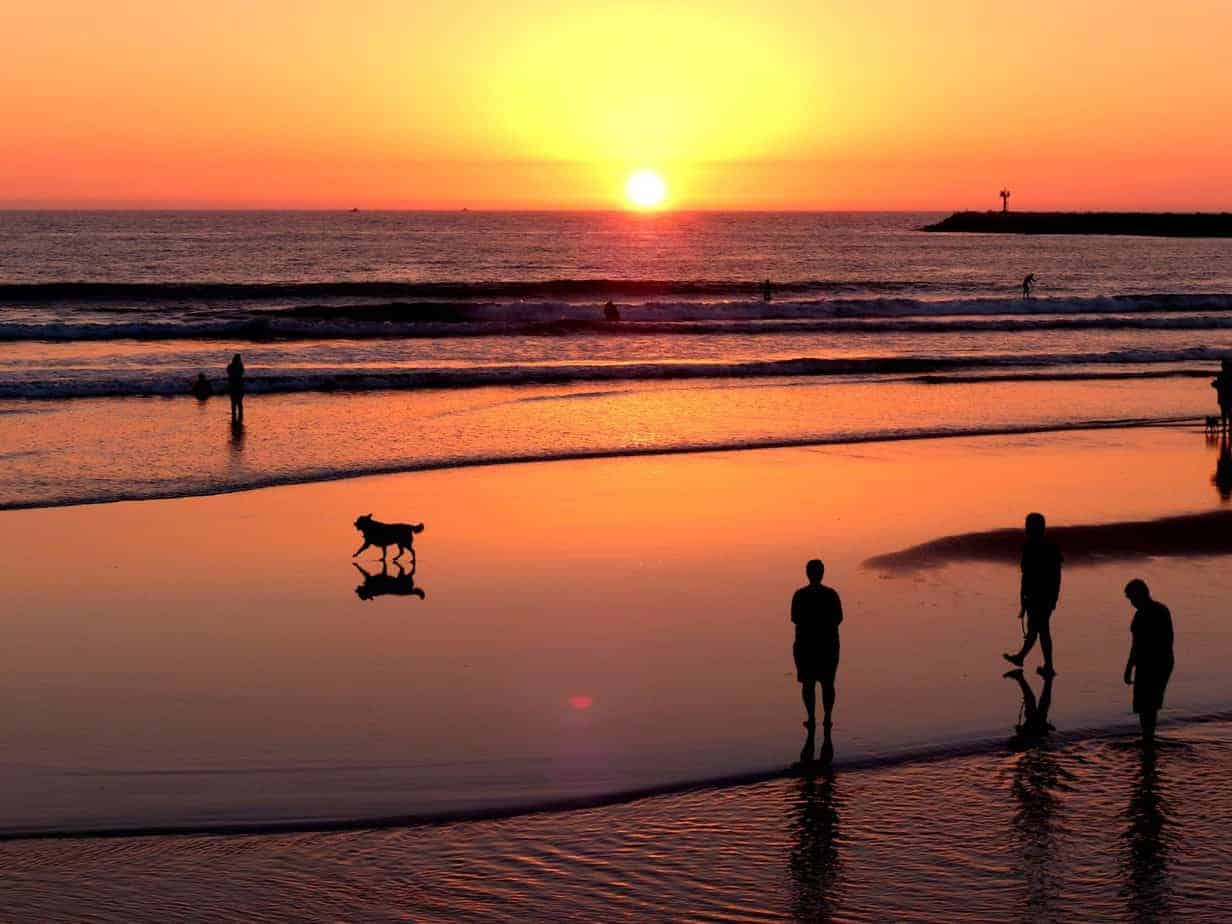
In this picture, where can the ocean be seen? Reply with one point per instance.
(502, 308)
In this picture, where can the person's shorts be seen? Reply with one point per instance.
(815, 667)
(1150, 682)
(1037, 618)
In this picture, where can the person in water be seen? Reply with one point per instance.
(611, 312)
(1222, 384)
(816, 611)
(201, 387)
(1150, 655)
(1040, 589)
(766, 291)
(1028, 282)
(235, 387)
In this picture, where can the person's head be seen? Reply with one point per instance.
(1035, 525)
(1226, 364)
(236, 358)
(1137, 592)
(200, 376)
(815, 571)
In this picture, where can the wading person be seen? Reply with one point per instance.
(1150, 655)
(235, 387)
(1040, 589)
(1222, 384)
(816, 612)
(1028, 282)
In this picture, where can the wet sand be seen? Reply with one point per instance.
(588, 628)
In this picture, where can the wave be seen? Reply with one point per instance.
(257, 482)
(478, 376)
(1108, 731)
(444, 319)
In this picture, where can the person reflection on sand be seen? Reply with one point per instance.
(1148, 884)
(237, 437)
(1037, 780)
(388, 585)
(814, 862)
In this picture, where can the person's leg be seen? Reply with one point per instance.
(1027, 644)
(827, 700)
(809, 694)
(1147, 718)
(1045, 640)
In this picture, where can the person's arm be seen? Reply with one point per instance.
(838, 609)
(1133, 659)
(795, 607)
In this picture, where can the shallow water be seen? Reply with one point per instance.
(1086, 829)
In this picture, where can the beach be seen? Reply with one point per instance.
(590, 631)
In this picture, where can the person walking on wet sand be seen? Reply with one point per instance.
(235, 387)
(1028, 282)
(816, 611)
(1040, 589)
(1150, 655)
(1222, 384)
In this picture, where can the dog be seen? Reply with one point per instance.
(386, 534)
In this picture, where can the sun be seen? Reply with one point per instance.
(646, 189)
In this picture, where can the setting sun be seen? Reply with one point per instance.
(646, 189)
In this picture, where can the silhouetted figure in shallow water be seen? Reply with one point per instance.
(1039, 592)
(816, 611)
(1222, 479)
(611, 312)
(1150, 656)
(1028, 283)
(235, 387)
(766, 291)
(812, 759)
(1032, 726)
(201, 387)
(1222, 383)
(385, 584)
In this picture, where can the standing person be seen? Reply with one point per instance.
(1040, 589)
(1028, 282)
(235, 386)
(765, 291)
(816, 611)
(1150, 655)
(1222, 384)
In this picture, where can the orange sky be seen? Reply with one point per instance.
(552, 103)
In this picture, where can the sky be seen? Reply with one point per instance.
(825, 104)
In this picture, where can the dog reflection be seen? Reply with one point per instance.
(385, 584)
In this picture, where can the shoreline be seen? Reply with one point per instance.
(931, 754)
(628, 452)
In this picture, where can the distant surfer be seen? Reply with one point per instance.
(1222, 384)
(235, 387)
(611, 312)
(766, 291)
(1028, 283)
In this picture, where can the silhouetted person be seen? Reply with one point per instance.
(816, 611)
(610, 312)
(1039, 593)
(1222, 383)
(1028, 282)
(235, 387)
(384, 584)
(201, 387)
(1040, 589)
(1150, 655)
(1222, 478)
(766, 292)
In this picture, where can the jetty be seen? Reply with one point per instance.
(1152, 224)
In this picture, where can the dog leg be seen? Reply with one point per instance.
(361, 548)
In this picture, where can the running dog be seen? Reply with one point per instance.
(386, 534)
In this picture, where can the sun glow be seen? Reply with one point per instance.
(646, 189)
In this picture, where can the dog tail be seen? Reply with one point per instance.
(417, 527)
